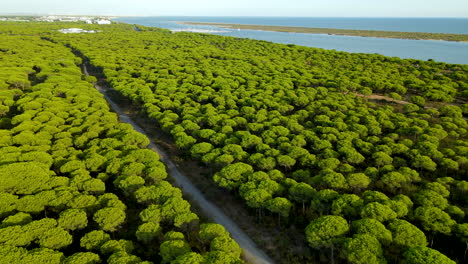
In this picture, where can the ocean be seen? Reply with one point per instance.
(443, 51)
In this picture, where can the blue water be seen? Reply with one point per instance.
(444, 51)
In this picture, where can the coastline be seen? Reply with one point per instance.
(340, 32)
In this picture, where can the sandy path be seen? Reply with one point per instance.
(251, 253)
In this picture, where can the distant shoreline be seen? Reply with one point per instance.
(341, 32)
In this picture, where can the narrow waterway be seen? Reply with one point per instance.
(251, 252)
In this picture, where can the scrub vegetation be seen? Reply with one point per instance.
(342, 32)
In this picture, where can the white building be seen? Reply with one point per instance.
(75, 30)
(103, 22)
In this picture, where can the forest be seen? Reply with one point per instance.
(298, 134)
(77, 186)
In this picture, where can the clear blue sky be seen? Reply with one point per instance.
(306, 8)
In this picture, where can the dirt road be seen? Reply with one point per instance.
(252, 254)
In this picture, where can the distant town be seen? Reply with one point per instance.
(102, 20)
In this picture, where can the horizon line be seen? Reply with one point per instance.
(155, 15)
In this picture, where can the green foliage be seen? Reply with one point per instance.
(83, 258)
(220, 257)
(43, 255)
(358, 181)
(148, 232)
(435, 220)
(378, 211)
(430, 198)
(326, 230)
(226, 244)
(17, 219)
(279, 205)
(208, 232)
(301, 192)
(189, 258)
(123, 257)
(347, 205)
(424, 255)
(406, 235)
(418, 100)
(233, 175)
(172, 249)
(158, 193)
(94, 240)
(110, 218)
(374, 228)
(114, 246)
(73, 219)
(15, 236)
(24, 178)
(55, 238)
(54, 122)
(363, 248)
(283, 126)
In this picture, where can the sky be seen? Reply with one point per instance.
(298, 8)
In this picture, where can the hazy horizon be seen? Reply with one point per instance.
(112, 15)
(244, 8)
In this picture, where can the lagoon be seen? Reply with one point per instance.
(443, 51)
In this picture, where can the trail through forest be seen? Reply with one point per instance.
(381, 97)
(252, 254)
